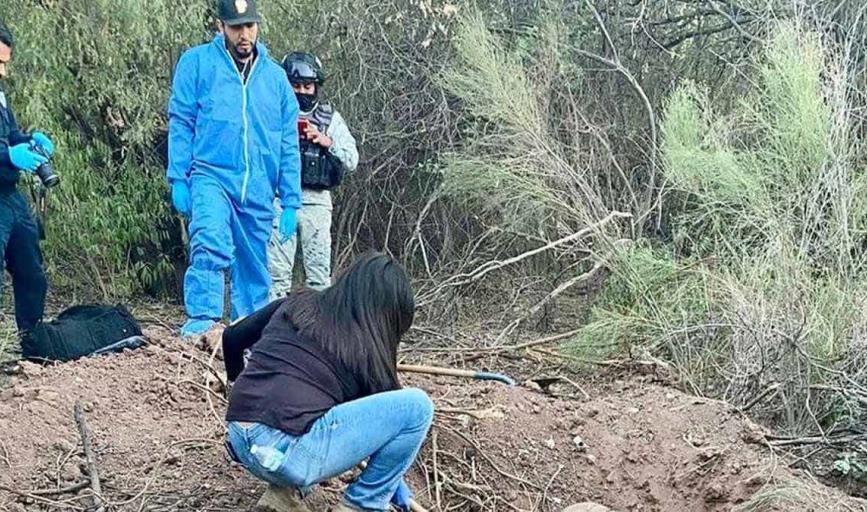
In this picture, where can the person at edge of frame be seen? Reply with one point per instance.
(20, 152)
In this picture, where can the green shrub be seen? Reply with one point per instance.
(768, 220)
(651, 303)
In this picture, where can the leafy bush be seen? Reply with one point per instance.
(766, 209)
(651, 302)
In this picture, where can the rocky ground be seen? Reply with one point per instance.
(624, 440)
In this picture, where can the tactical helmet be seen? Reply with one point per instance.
(304, 68)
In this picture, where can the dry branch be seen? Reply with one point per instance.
(68, 489)
(548, 298)
(490, 266)
(90, 458)
(62, 505)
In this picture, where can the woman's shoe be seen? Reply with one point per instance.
(281, 499)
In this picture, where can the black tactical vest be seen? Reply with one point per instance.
(320, 170)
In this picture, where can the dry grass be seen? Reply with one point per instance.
(798, 495)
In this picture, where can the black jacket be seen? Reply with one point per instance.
(10, 135)
(290, 381)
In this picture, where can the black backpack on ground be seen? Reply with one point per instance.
(82, 331)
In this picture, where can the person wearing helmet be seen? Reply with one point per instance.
(328, 151)
(233, 145)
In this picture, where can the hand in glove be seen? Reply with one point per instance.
(288, 224)
(43, 140)
(403, 496)
(25, 158)
(181, 199)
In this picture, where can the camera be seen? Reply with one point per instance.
(45, 171)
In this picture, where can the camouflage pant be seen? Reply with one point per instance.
(314, 231)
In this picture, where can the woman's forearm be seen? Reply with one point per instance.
(242, 335)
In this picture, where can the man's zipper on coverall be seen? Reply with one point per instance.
(244, 118)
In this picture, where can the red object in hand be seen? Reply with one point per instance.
(303, 125)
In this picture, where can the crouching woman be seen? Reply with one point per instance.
(320, 394)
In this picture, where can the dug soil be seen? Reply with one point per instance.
(155, 422)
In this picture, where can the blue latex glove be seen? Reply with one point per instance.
(403, 496)
(43, 140)
(288, 224)
(24, 158)
(181, 198)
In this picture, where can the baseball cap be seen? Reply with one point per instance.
(238, 12)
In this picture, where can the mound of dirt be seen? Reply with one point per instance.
(155, 416)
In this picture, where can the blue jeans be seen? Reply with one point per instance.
(388, 428)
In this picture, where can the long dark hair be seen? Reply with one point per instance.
(360, 318)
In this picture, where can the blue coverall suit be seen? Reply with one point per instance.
(19, 236)
(236, 142)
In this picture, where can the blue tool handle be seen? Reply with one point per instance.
(494, 376)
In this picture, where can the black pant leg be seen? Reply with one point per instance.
(7, 222)
(24, 263)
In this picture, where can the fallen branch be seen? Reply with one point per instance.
(551, 296)
(483, 414)
(89, 457)
(853, 394)
(541, 341)
(770, 389)
(65, 490)
(214, 343)
(62, 462)
(799, 441)
(478, 353)
(203, 388)
(5, 454)
(63, 505)
(209, 367)
(574, 385)
(550, 483)
(490, 266)
(155, 471)
(436, 475)
(598, 362)
(415, 507)
(489, 460)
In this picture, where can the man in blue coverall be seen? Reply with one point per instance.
(233, 144)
